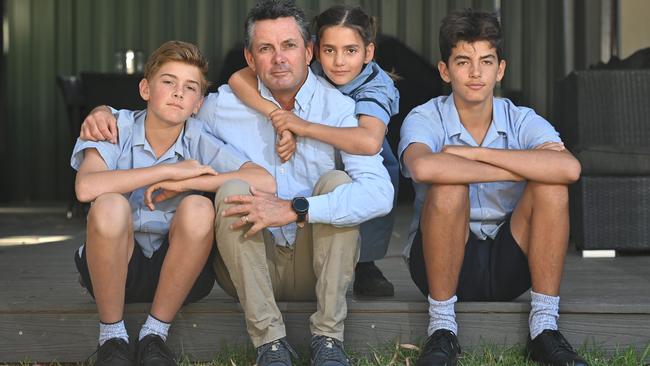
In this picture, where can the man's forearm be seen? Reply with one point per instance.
(544, 166)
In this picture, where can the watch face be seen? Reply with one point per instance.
(300, 204)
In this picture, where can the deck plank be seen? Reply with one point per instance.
(45, 315)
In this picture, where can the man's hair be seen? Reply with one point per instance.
(469, 26)
(274, 9)
(178, 51)
(347, 16)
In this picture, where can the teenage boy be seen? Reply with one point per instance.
(139, 251)
(491, 196)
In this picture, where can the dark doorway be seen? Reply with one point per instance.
(4, 120)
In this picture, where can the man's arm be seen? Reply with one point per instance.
(548, 163)
(94, 178)
(99, 125)
(428, 167)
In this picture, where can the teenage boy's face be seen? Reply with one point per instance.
(342, 54)
(174, 92)
(473, 70)
(278, 55)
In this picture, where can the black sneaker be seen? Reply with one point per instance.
(551, 348)
(152, 351)
(370, 282)
(327, 351)
(114, 352)
(441, 349)
(275, 353)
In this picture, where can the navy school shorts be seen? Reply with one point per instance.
(493, 269)
(143, 275)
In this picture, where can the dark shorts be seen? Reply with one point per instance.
(493, 270)
(144, 273)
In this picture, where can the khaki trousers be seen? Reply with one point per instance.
(319, 267)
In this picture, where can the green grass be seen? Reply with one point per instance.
(406, 354)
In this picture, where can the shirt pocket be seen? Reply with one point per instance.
(312, 159)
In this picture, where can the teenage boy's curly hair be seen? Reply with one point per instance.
(181, 52)
(469, 26)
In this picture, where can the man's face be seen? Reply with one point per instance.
(473, 70)
(278, 55)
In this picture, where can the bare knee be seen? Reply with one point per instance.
(447, 198)
(549, 194)
(195, 216)
(110, 215)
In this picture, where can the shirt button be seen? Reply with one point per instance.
(281, 170)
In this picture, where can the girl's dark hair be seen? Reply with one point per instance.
(469, 26)
(347, 16)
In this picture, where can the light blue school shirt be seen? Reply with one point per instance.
(373, 91)
(369, 195)
(133, 151)
(436, 124)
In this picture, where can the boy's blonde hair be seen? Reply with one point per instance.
(181, 52)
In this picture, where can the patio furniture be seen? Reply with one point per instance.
(604, 119)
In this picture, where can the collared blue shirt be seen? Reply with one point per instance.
(133, 151)
(436, 124)
(369, 195)
(373, 91)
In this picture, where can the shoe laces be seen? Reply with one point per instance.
(275, 351)
(442, 340)
(159, 349)
(328, 349)
(560, 342)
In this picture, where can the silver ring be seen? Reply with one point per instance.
(245, 219)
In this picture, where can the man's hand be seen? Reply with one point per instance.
(165, 190)
(99, 125)
(286, 145)
(260, 209)
(555, 146)
(467, 152)
(285, 120)
(187, 169)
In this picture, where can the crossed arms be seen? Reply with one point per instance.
(547, 163)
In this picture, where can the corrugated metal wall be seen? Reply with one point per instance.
(52, 37)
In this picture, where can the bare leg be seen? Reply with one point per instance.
(109, 246)
(445, 228)
(190, 241)
(540, 225)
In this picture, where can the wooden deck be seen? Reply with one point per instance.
(45, 315)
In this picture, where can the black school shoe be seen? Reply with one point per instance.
(152, 351)
(551, 348)
(114, 352)
(441, 349)
(370, 282)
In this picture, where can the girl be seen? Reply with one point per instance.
(345, 45)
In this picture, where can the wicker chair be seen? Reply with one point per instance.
(604, 118)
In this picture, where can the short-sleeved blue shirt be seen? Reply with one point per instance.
(436, 124)
(373, 91)
(133, 151)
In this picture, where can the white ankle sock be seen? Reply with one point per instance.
(442, 315)
(544, 312)
(112, 330)
(154, 326)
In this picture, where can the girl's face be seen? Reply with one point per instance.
(342, 54)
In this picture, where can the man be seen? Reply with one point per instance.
(491, 196)
(311, 246)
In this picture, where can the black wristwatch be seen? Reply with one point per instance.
(300, 206)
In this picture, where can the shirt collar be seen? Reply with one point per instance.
(304, 96)
(139, 138)
(451, 119)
